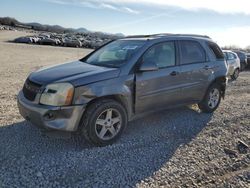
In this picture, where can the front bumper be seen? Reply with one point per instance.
(50, 117)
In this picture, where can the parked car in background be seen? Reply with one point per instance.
(233, 63)
(27, 40)
(71, 43)
(248, 60)
(243, 59)
(35, 39)
(50, 41)
(122, 80)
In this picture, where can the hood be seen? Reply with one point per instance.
(77, 73)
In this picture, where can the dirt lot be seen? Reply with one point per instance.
(174, 148)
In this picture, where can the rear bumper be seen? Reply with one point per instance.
(50, 117)
(232, 68)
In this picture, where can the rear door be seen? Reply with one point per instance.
(161, 88)
(194, 70)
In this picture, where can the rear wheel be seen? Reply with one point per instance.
(104, 122)
(235, 74)
(211, 100)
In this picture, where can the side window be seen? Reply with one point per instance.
(216, 50)
(191, 52)
(162, 54)
(230, 56)
(235, 57)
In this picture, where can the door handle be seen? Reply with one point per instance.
(174, 73)
(207, 67)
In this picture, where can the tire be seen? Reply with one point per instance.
(100, 125)
(208, 104)
(235, 74)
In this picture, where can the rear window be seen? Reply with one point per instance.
(231, 56)
(216, 50)
(241, 55)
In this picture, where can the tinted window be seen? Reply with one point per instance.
(241, 55)
(216, 50)
(191, 52)
(162, 54)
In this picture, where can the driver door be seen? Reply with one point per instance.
(160, 88)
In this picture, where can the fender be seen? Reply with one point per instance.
(120, 89)
(222, 81)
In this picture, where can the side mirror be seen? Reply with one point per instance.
(148, 66)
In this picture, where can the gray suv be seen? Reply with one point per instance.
(122, 80)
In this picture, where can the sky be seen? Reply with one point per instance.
(226, 22)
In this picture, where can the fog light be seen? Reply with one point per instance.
(49, 116)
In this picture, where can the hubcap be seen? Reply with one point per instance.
(214, 97)
(108, 124)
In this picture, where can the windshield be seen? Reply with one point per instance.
(115, 53)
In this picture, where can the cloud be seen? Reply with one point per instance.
(111, 5)
(58, 2)
(138, 21)
(131, 10)
(232, 36)
(108, 6)
(221, 6)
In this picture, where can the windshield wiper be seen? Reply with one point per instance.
(104, 65)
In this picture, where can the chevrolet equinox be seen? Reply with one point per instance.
(124, 79)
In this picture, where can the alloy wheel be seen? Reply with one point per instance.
(108, 124)
(214, 97)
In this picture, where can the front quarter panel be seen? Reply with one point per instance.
(121, 86)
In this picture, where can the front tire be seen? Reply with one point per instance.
(104, 122)
(211, 100)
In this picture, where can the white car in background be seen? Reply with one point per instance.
(233, 63)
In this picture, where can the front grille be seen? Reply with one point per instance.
(30, 90)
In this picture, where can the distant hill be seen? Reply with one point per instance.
(49, 28)
(120, 34)
(81, 30)
(9, 21)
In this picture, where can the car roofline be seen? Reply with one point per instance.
(163, 35)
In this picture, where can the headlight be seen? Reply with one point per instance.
(58, 94)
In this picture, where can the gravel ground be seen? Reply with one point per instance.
(174, 148)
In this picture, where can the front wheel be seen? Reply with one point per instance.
(211, 100)
(104, 122)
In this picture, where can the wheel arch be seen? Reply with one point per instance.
(116, 97)
(222, 82)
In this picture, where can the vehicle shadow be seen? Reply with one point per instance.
(146, 145)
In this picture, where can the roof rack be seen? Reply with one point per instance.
(138, 36)
(167, 34)
(192, 35)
